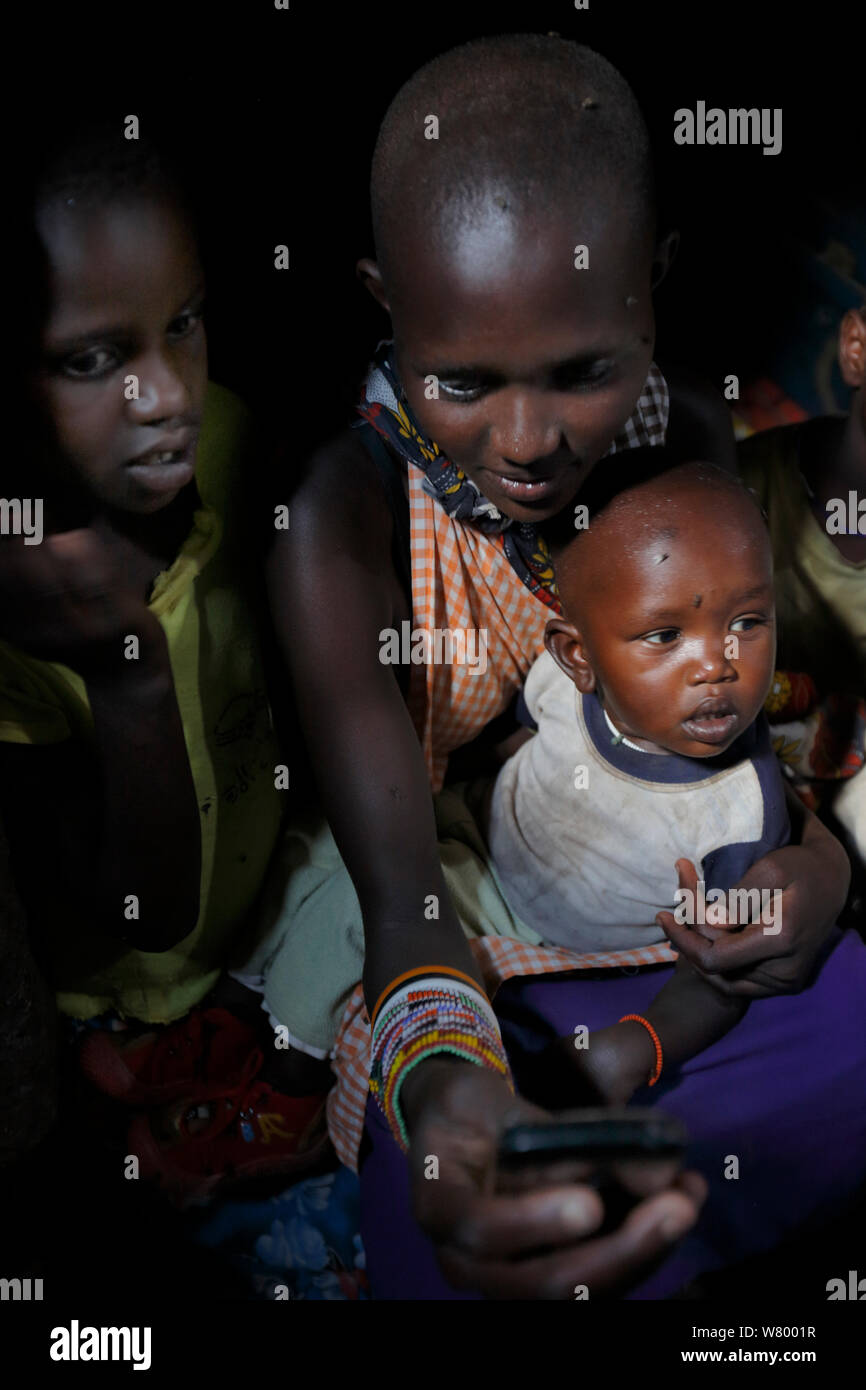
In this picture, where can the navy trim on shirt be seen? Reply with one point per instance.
(669, 768)
(727, 864)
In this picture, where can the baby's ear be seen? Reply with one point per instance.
(370, 275)
(566, 645)
(852, 348)
(664, 256)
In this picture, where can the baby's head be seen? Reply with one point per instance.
(539, 350)
(668, 612)
(120, 365)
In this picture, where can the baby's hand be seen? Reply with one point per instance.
(67, 600)
(687, 883)
(614, 1064)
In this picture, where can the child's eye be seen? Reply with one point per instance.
(745, 624)
(663, 637)
(585, 377)
(185, 323)
(94, 362)
(459, 392)
(578, 378)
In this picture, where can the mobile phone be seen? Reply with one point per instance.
(598, 1135)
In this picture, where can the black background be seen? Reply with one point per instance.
(275, 113)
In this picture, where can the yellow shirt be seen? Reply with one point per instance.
(820, 596)
(205, 603)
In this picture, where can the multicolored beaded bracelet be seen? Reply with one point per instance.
(430, 993)
(422, 1019)
(445, 1014)
(421, 972)
(441, 1014)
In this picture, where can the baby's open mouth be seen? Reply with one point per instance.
(713, 721)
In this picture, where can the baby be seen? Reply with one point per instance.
(651, 748)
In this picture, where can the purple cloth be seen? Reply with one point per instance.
(782, 1091)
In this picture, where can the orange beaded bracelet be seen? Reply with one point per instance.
(657, 1069)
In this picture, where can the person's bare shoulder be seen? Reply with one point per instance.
(339, 500)
(334, 566)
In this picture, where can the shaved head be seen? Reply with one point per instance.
(653, 506)
(525, 123)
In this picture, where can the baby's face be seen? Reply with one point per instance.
(538, 364)
(126, 300)
(682, 632)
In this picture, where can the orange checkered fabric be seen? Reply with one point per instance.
(462, 580)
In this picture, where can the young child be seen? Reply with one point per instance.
(137, 755)
(805, 476)
(667, 637)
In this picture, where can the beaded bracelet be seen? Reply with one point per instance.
(429, 991)
(429, 1016)
(431, 1035)
(657, 1069)
(425, 972)
(426, 1011)
(423, 1007)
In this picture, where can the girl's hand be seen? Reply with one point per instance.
(66, 600)
(488, 1231)
(749, 961)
